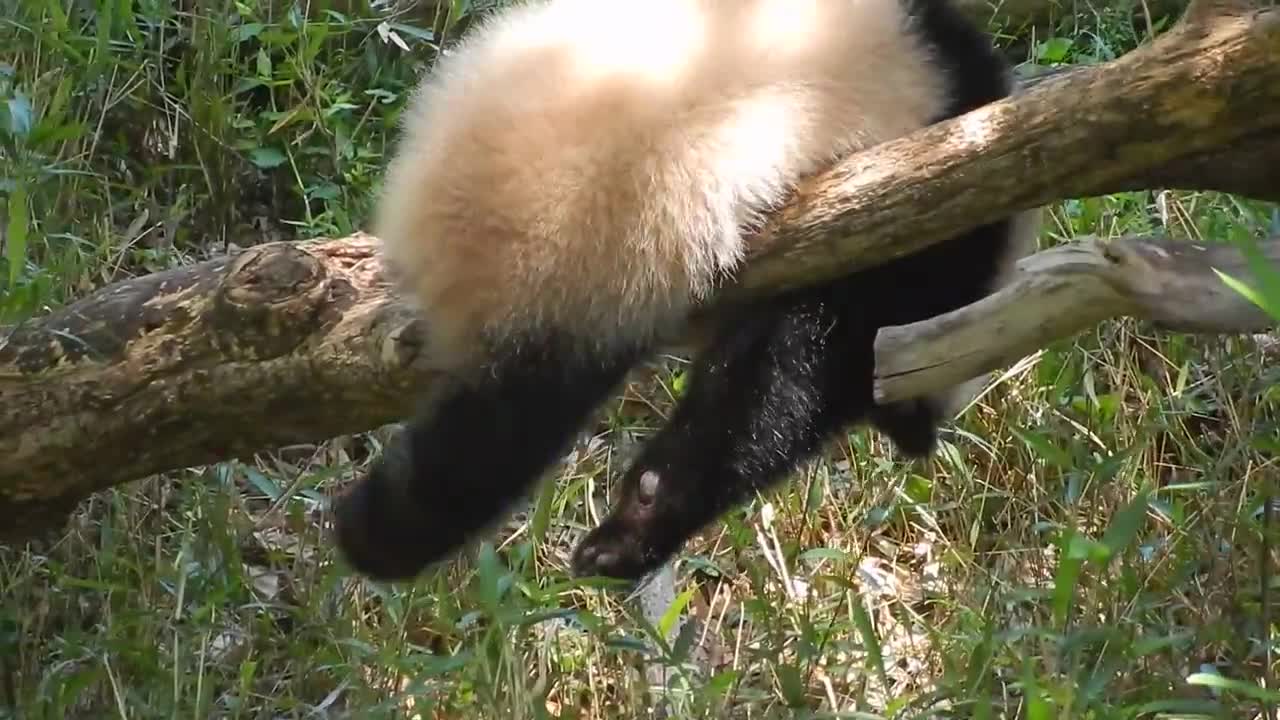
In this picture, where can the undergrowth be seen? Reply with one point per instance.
(1085, 545)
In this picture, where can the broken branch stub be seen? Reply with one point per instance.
(1060, 292)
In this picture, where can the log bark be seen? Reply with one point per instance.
(1062, 291)
(298, 342)
(1209, 85)
(284, 343)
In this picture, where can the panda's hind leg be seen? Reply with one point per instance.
(460, 463)
(769, 389)
(912, 424)
(774, 385)
(942, 278)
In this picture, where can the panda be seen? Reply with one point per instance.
(578, 176)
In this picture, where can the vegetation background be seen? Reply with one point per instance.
(1086, 544)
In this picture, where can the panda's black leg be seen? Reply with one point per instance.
(763, 397)
(457, 467)
(772, 387)
(911, 424)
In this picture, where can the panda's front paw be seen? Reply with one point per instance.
(611, 552)
(912, 425)
(377, 532)
(637, 536)
(386, 532)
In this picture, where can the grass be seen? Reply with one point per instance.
(1086, 544)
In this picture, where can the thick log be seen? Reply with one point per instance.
(289, 343)
(285, 343)
(1062, 291)
(1211, 83)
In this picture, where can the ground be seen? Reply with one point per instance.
(1086, 544)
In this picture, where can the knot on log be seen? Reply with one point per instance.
(269, 301)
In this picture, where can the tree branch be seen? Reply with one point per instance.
(1062, 291)
(286, 343)
(297, 342)
(1209, 84)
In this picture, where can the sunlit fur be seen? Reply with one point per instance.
(576, 176)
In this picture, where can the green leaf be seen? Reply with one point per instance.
(791, 684)
(1127, 522)
(720, 682)
(1045, 449)
(1219, 682)
(1249, 293)
(980, 659)
(266, 157)
(1268, 297)
(264, 484)
(264, 64)
(20, 115)
(1148, 645)
(411, 31)
(541, 519)
(1054, 49)
(489, 572)
(823, 553)
(19, 226)
(1038, 707)
(1075, 548)
(870, 640)
(246, 31)
(677, 606)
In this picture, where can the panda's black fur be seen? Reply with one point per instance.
(576, 178)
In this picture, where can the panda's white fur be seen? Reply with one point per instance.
(583, 172)
(591, 164)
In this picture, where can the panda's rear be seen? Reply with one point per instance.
(575, 177)
(589, 165)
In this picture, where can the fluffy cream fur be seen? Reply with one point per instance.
(589, 165)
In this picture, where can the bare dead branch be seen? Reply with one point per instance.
(1062, 291)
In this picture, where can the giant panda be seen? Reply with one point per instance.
(575, 178)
